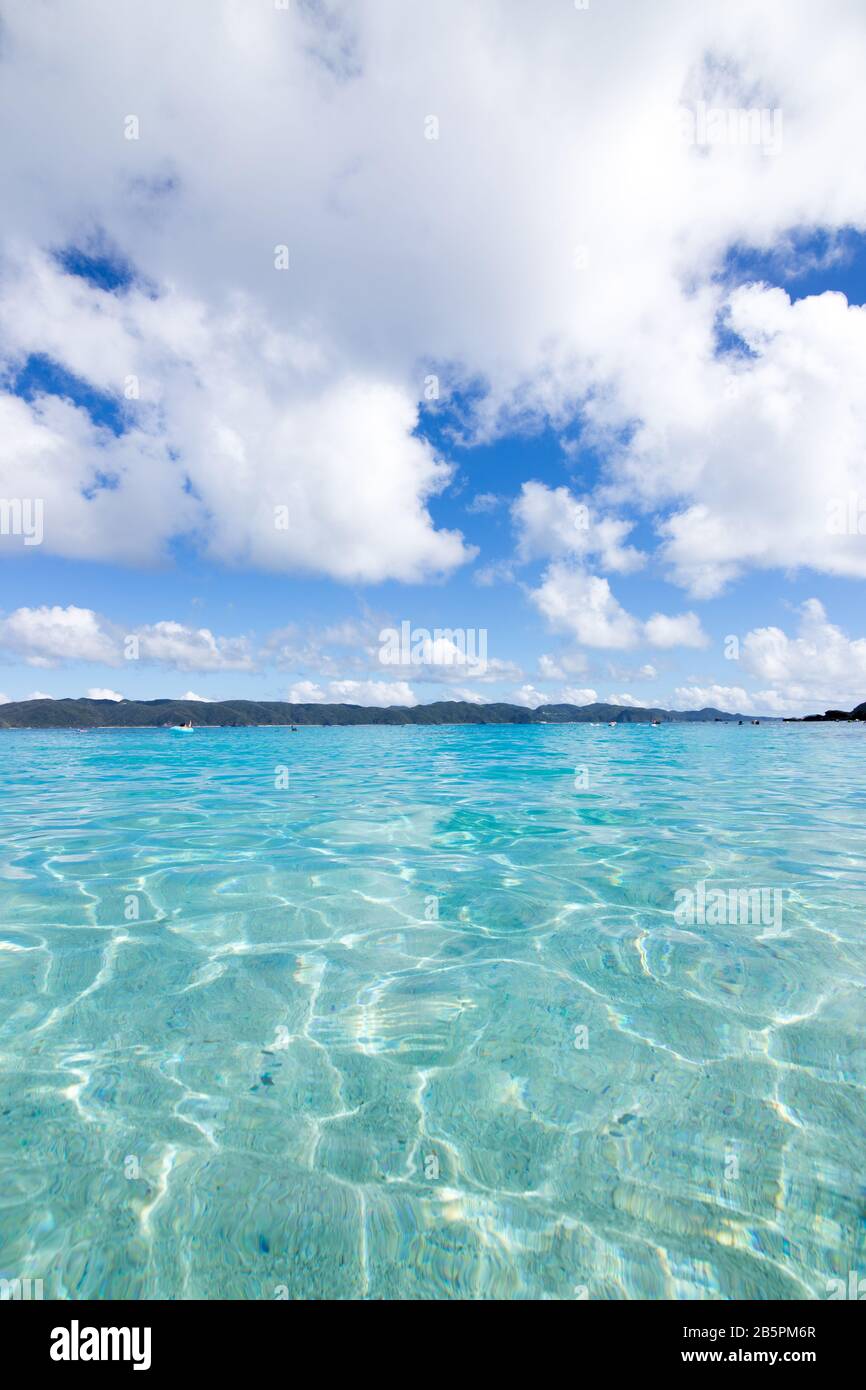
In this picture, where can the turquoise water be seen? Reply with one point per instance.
(423, 1023)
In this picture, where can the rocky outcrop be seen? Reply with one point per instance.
(833, 716)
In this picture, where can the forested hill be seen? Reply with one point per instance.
(90, 714)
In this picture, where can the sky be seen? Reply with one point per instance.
(534, 332)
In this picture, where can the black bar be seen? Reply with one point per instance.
(821, 1336)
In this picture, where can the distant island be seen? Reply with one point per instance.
(236, 714)
(832, 716)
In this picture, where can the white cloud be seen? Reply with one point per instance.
(572, 695)
(560, 667)
(731, 698)
(51, 450)
(550, 669)
(300, 388)
(552, 523)
(528, 696)
(472, 697)
(199, 699)
(372, 692)
(54, 636)
(483, 502)
(49, 636)
(98, 693)
(497, 572)
(760, 464)
(350, 692)
(531, 698)
(819, 668)
(291, 469)
(306, 693)
(193, 649)
(626, 700)
(628, 674)
(582, 605)
(682, 631)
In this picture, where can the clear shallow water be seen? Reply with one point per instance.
(287, 1075)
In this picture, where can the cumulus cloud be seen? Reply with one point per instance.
(550, 669)
(103, 498)
(584, 606)
(820, 666)
(760, 467)
(472, 697)
(682, 631)
(306, 693)
(731, 698)
(575, 695)
(529, 697)
(551, 522)
(50, 636)
(56, 636)
(351, 692)
(554, 274)
(192, 649)
(562, 666)
(283, 467)
(199, 699)
(97, 692)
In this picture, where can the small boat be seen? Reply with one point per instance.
(612, 724)
(656, 723)
(181, 728)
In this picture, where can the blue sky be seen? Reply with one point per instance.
(668, 337)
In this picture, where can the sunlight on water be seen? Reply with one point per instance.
(457, 1012)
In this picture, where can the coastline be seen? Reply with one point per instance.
(82, 714)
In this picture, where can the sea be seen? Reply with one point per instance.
(489, 1012)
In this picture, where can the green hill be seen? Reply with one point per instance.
(91, 714)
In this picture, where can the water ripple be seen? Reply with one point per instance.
(423, 1023)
